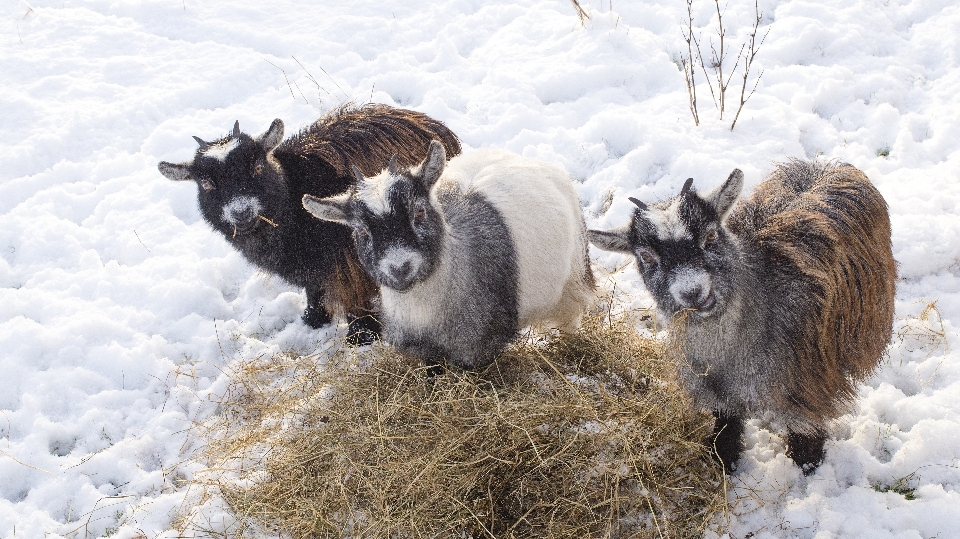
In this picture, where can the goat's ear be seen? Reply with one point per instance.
(357, 174)
(432, 167)
(273, 136)
(616, 240)
(723, 197)
(178, 172)
(334, 209)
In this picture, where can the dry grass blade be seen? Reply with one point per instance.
(584, 435)
(268, 221)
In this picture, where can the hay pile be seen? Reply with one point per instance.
(584, 435)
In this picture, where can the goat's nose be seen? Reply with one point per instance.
(401, 271)
(691, 296)
(242, 215)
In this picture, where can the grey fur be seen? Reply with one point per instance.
(446, 260)
(758, 280)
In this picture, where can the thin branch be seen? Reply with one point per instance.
(285, 78)
(748, 63)
(689, 73)
(580, 12)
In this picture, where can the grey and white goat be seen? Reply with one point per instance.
(468, 252)
(781, 303)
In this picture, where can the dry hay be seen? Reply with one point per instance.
(584, 435)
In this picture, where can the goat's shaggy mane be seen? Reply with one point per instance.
(828, 224)
(360, 136)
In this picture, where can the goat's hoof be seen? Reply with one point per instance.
(363, 331)
(806, 450)
(315, 317)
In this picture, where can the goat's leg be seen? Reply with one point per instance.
(315, 315)
(806, 449)
(364, 329)
(727, 439)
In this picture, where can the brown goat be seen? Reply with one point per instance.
(786, 298)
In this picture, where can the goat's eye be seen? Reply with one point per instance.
(257, 169)
(710, 237)
(361, 233)
(646, 257)
(206, 184)
(419, 216)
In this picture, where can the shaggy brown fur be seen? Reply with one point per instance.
(781, 304)
(361, 136)
(835, 232)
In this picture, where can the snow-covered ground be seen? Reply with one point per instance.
(120, 308)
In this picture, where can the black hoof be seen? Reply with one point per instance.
(727, 440)
(363, 331)
(434, 367)
(806, 450)
(315, 317)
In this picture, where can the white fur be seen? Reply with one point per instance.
(239, 205)
(668, 223)
(688, 279)
(396, 257)
(416, 310)
(221, 151)
(373, 192)
(541, 208)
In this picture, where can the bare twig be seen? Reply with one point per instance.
(310, 75)
(285, 78)
(333, 81)
(719, 54)
(751, 54)
(688, 72)
(141, 241)
(580, 12)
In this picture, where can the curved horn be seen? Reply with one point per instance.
(203, 144)
(236, 128)
(392, 167)
(639, 204)
(686, 185)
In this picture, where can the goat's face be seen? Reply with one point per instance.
(241, 189)
(687, 258)
(397, 228)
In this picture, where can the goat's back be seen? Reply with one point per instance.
(540, 206)
(822, 231)
(368, 136)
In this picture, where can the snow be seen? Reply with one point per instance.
(120, 309)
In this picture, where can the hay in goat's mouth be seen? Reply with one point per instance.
(584, 435)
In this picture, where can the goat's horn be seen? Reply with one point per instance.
(639, 204)
(686, 185)
(236, 128)
(203, 144)
(392, 166)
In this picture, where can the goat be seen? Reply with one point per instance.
(782, 303)
(250, 191)
(469, 252)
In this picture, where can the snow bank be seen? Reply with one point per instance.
(120, 308)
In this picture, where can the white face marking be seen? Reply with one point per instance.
(373, 192)
(668, 223)
(221, 151)
(396, 257)
(688, 280)
(239, 206)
